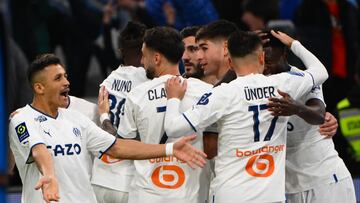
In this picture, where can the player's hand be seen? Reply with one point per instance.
(49, 187)
(329, 128)
(186, 152)
(175, 88)
(103, 101)
(285, 106)
(263, 36)
(284, 38)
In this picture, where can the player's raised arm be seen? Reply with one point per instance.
(313, 65)
(103, 109)
(132, 149)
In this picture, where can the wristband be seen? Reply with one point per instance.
(103, 117)
(169, 149)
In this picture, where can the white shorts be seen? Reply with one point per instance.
(341, 191)
(107, 195)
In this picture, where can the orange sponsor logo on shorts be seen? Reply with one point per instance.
(168, 176)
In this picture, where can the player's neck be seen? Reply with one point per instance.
(168, 70)
(42, 105)
(223, 69)
(247, 69)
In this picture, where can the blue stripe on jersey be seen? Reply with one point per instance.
(161, 109)
(192, 126)
(335, 178)
(312, 77)
(102, 153)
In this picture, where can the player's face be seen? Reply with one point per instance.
(56, 86)
(190, 58)
(274, 61)
(148, 60)
(211, 54)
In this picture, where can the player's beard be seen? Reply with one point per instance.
(150, 72)
(199, 73)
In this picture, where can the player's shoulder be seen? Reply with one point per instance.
(26, 113)
(75, 102)
(198, 83)
(126, 73)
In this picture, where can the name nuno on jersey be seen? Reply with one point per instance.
(121, 85)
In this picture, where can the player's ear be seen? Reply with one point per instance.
(225, 47)
(38, 88)
(261, 58)
(157, 58)
(231, 63)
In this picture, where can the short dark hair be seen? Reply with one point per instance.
(165, 40)
(241, 43)
(216, 29)
(265, 9)
(273, 42)
(189, 31)
(40, 63)
(132, 36)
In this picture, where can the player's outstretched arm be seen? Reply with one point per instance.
(132, 149)
(313, 112)
(329, 127)
(313, 64)
(48, 183)
(103, 109)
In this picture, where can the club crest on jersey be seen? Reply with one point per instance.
(76, 132)
(204, 99)
(22, 132)
(296, 73)
(40, 118)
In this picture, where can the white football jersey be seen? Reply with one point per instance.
(250, 166)
(311, 159)
(89, 110)
(165, 177)
(109, 172)
(70, 138)
(85, 107)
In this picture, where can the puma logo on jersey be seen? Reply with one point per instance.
(67, 149)
(48, 132)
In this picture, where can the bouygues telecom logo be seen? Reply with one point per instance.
(168, 176)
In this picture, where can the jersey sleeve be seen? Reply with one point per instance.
(210, 108)
(98, 141)
(24, 135)
(314, 67)
(127, 127)
(315, 93)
